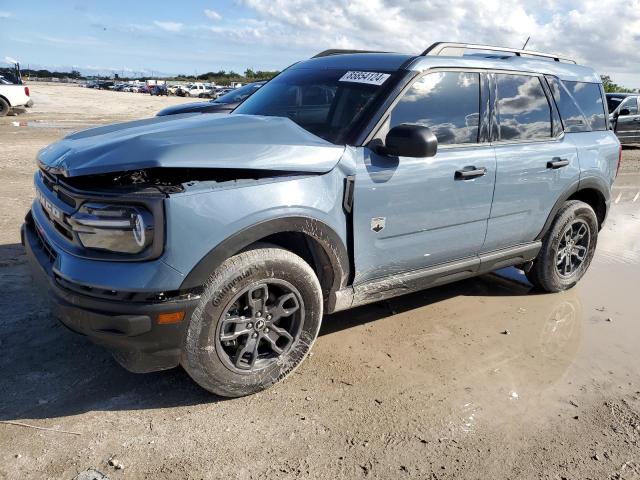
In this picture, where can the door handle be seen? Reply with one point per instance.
(557, 162)
(467, 173)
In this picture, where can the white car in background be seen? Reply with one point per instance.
(12, 96)
(196, 90)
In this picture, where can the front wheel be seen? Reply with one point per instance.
(256, 322)
(4, 107)
(567, 248)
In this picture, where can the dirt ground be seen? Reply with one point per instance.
(423, 386)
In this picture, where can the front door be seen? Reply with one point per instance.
(628, 125)
(412, 213)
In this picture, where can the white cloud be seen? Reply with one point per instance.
(10, 60)
(173, 27)
(212, 14)
(574, 28)
(6, 14)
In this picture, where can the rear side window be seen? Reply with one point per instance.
(446, 102)
(588, 97)
(630, 104)
(522, 108)
(572, 117)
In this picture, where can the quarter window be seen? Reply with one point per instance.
(522, 108)
(573, 118)
(446, 102)
(588, 97)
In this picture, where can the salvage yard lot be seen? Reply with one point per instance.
(422, 386)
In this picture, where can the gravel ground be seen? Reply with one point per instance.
(423, 386)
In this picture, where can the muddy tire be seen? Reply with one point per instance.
(567, 248)
(4, 107)
(256, 322)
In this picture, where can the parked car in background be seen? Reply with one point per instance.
(105, 85)
(194, 90)
(13, 96)
(172, 89)
(159, 90)
(624, 115)
(218, 242)
(223, 104)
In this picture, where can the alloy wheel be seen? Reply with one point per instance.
(573, 248)
(259, 326)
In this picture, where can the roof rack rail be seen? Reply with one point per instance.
(337, 51)
(454, 49)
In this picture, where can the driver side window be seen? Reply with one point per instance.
(446, 102)
(630, 104)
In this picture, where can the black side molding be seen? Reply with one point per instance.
(395, 285)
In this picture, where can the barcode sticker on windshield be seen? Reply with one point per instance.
(370, 78)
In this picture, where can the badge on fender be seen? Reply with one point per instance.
(377, 223)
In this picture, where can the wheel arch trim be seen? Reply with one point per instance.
(585, 184)
(321, 235)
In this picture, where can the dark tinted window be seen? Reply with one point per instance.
(588, 97)
(446, 102)
(613, 102)
(326, 102)
(630, 104)
(523, 109)
(572, 118)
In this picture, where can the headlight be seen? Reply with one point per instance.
(116, 228)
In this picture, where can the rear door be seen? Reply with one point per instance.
(628, 125)
(536, 162)
(413, 213)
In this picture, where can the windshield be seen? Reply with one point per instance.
(239, 94)
(327, 102)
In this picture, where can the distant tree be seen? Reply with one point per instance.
(611, 87)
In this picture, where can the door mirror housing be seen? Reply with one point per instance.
(624, 111)
(411, 140)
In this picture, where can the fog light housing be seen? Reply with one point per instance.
(115, 228)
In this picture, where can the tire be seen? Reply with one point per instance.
(219, 352)
(4, 107)
(552, 270)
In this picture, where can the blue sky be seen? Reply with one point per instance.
(195, 36)
(139, 35)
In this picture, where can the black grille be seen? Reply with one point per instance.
(46, 247)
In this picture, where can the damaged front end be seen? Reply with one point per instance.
(120, 216)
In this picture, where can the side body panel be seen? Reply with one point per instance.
(526, 189)
(208, 213)
(14, 94)
(598, 152)
(429, 216)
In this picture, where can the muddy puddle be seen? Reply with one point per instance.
(490, 352)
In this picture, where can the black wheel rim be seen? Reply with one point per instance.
(259, 326)
(573, 248)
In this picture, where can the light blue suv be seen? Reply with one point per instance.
(218, 242)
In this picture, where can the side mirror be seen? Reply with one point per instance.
(624, 111)
(411, 140)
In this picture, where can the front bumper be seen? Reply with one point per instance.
(129, 329)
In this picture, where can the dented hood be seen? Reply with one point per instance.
(192, 141)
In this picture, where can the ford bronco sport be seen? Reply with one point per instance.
(217, 242)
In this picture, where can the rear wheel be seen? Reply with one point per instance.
(256, 322)
(4, 107)
(567, 248)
